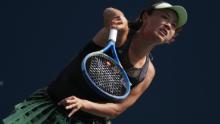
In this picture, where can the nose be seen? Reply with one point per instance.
(167, 26)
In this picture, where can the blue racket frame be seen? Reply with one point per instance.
(92, 84)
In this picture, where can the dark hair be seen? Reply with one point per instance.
(136, 24)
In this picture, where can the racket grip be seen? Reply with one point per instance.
(113, 34)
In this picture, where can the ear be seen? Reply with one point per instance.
(145, 16)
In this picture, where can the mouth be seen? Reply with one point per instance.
(163, 32)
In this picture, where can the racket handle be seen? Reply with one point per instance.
(113, 34)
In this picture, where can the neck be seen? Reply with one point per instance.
(141, 47)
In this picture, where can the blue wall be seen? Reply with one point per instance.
(37, 39)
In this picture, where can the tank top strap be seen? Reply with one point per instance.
(123, 51)
(125, 46)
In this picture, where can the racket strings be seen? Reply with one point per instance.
(106, 75)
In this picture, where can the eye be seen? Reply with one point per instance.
(164, 17)
(173, 25)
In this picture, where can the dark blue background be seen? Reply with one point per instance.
(38, 39)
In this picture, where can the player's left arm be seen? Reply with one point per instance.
(109, 110)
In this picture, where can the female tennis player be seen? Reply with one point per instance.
(69, 99)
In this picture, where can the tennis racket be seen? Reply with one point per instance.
(104, 73)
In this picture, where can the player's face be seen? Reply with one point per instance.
(160, 25)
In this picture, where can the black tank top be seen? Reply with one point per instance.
(136, 75)
(71, 82)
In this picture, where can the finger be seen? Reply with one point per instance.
(71, 106)
(116, 24)
(70, 97)
(116, 17)
(61, 102)
(71, 101)
(64, 101)
(123, 18)
(72, 112)
(120, 18)
(120, 26)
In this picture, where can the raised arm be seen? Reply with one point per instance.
(109, 110)
(116, 19)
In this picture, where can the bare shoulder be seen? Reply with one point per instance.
(141, 87)
(138, 90)
(149, 76)
(151, 70)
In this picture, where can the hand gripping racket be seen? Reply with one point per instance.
(104, 73)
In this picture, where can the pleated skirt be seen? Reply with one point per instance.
(37, 109)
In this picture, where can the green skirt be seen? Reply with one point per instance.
(40, 109)
(37, 109)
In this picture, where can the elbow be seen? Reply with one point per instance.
(115, 113)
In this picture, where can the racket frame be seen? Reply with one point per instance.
(92, 84)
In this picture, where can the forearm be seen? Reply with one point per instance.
(110, 110)
(107, 110)
(114, 109)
